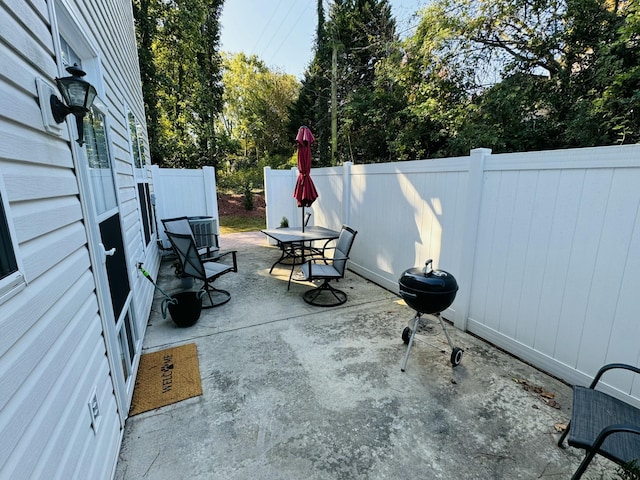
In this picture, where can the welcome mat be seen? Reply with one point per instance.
(166, 377)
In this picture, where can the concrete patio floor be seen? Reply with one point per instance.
(292, 391)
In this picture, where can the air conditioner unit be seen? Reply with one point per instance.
(205, 231)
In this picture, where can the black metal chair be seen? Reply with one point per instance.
(192, 265)
(602, 424)
(208, 245)
(328, 268)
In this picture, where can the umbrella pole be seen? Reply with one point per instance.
(303, 219)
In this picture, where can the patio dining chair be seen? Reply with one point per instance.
(328, 267)
(192, 265)
(207, 244)
(604, 425)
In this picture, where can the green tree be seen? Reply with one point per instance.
(312, 108)
(256, 106)
(254, 120)
(178, 44)
(145, 15)
(522, 74)
(363, 33)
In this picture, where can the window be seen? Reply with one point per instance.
(137, 145)
(11, 279)
(8, 263)
(138, 155)
(97, 152)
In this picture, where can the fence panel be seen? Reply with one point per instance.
(184, 192)
(545, 245)
(552, 258)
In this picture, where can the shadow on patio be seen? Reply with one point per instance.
(292, 391)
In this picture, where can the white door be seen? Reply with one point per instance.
(110, 267)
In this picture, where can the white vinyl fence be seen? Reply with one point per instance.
(545, 246)
(184, 192)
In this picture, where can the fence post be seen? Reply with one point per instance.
(346, 192)
(210, 195)
(267, 188)
(475, 182)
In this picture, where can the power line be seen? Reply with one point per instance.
(264, 29)
(304, 10)
(275, 32)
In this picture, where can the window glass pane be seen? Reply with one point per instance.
(135, 141)
(69, 57)
(141, 144)
(123, 355)
(143, 195)
(99, 162)
(8, 263)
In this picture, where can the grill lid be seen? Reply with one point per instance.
(428, 280)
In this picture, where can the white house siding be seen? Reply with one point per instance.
(52, 348)
(545, 246)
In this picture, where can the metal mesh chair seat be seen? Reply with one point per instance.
(602, 424)
(215, 269)
(597, 412)
(320, 270)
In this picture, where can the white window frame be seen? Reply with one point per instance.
(15, 281)
(141, 176)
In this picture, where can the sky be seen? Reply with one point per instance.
(281, 32)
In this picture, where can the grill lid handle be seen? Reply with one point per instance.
(427, 267)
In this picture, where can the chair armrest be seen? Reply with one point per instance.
(612, 366)
(313, 261)
(319, 259)
(611, 429)
(233, 256)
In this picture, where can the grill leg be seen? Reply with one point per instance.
(413, 334)
(446, 334)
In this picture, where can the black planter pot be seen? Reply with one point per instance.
(186, 311)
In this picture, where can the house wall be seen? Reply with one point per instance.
(545, 246)
(53, 356)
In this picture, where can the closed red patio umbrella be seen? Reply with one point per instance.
(305, 192)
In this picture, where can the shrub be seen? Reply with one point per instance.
(248, 196)
(631, 471)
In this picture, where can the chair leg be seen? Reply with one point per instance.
(563, 436)
(585, 461)
(315, 296)
(216, 296)
(583, 466)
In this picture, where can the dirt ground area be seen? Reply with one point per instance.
(233, 204)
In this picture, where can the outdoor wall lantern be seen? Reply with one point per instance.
(78, 96)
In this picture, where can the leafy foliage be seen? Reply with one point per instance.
(180, 69)
(631, 471)
(513, 75)
(255, 119)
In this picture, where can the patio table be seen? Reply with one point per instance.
(293, 243)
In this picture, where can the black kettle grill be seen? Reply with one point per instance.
(428, 291)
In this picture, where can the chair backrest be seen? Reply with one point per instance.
(179, 225)
(343, 247)
(187, 252)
